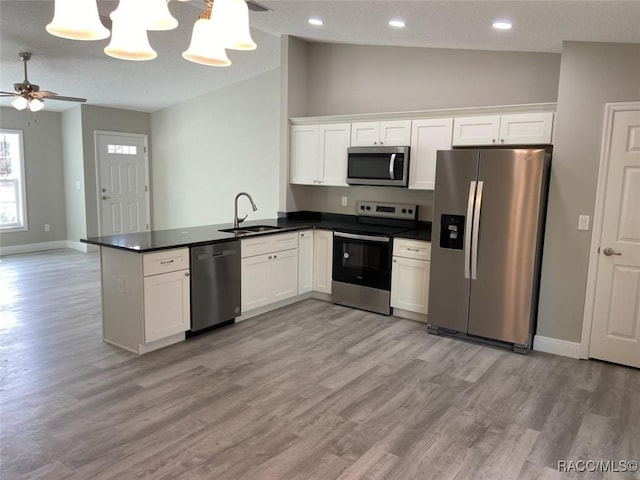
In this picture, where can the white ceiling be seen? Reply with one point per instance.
(74, 68)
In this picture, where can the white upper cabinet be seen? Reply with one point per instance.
(319, 154)
(512, 129)
(427, 137)
(392, 133)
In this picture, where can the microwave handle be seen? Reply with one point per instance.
(392, 162)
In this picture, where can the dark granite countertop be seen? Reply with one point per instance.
(193, 236)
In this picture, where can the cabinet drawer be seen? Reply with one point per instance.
(268, 244)
(417, 249)
(165, 261)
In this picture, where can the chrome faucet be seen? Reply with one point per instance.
(236, 220)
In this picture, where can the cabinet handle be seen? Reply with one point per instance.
(375, 143)
(394, 260)
(186, 274)
(493, 140)
(413, 249)
(164, 262)
(502, 140)
(275, 256)
(269, 257)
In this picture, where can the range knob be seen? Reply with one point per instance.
(410, 210)
(404, 210)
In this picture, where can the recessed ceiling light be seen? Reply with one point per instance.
(502, 25)
(316, 21)
(397, 23)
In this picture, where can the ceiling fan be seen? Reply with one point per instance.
(29, 95)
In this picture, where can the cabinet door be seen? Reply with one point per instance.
(305, 261)
(483, 130)
(255, 282)
(166, 305)
(305, 161)
(395, 133)
(427, 137)
(410, 284)
(334, 141)
(283, 275)
(526, 128)
(322, 260)
(364, 134)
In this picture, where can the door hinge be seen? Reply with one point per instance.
(598, 249)
(147, 226)
(145, 149)
(146, 188)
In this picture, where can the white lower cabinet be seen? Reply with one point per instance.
(322, 260)
(410, 275)
(167, 307)
(305, 261)
(268, 277)
(145, 298)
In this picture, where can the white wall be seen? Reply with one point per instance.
(73, 158)
(591, 75)
(42, 138)
(206, 150)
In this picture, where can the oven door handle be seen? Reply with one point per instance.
(362, 237)
(392, 163)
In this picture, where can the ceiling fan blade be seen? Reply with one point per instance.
(66, 99)
(10, 93)
(43, 94)
(6, 94)
(256, 7)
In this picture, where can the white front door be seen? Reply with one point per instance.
(615, 333)
(122, 183)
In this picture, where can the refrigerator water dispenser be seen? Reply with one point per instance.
(452, 231)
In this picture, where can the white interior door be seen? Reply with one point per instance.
(122, 183)
(615, 331)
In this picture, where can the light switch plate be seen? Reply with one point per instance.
(583, 222)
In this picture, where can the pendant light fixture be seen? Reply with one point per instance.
(207, 47)
(236, 24)
(77, 20)
(129, 39)
(223, 24)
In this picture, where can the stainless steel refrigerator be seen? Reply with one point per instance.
(487, 234)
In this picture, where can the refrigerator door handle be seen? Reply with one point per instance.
(467, 238)
(476, 232)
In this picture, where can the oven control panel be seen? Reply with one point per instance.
(388, 210)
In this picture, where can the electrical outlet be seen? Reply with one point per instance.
(47, 227)
(583, 222)
(345, 201)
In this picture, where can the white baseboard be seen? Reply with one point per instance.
(82, 247)
(32, 247)
(556, 346)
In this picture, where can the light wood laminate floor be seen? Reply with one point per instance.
(311, 391)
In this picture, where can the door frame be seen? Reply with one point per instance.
(145, 139)
(598, 218)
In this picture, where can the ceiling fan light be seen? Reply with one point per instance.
(206, 47)
(77, 20)
(20, 103)
(233, 18)
(35, 105)
(160, 17)
(129, 39)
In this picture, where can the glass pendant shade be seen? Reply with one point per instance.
(20, 103)
(129, 40)
(235, 22)
(160, 17)
(206, 45)
(77, 20)
(36, 105)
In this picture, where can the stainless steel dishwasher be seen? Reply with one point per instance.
(215, 285)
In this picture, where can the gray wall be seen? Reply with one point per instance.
(349, 79)
(207, 150)
(591, 75)
(73, 158)
(346, 79)
(42, 137)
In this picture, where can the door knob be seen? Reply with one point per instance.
(104, 197)
(609, 251)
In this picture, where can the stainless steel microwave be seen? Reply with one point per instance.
(386, 166)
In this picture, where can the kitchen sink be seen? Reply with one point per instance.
(250, 229)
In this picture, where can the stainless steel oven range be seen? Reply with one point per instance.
(362, 255)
